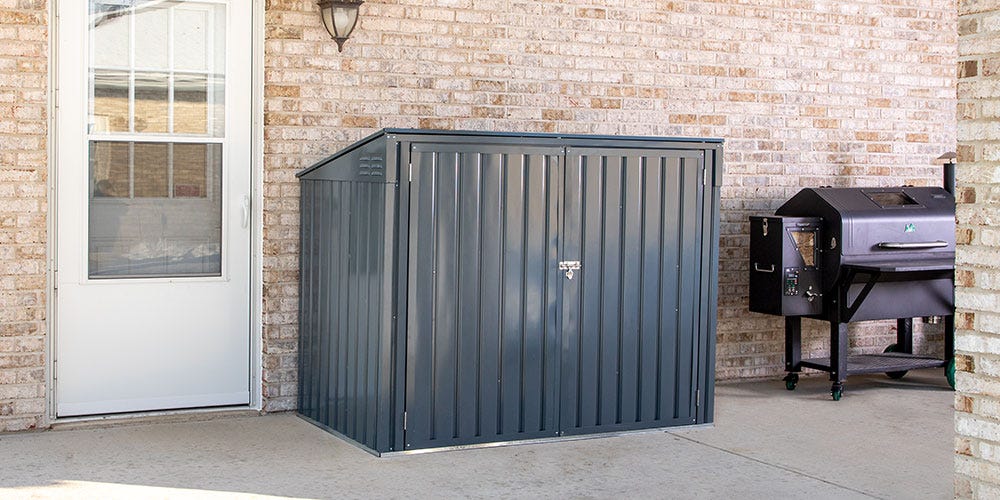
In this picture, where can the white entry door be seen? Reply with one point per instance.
(153, 233)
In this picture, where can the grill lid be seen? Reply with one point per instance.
(881, 223)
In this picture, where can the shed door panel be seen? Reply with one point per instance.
(632, 220)
(482, 334)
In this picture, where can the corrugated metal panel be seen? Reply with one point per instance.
(341, 332)
(632, 219)
(470, 327)
(483, 291)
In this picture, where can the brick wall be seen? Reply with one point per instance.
(23, 80)
(827, 92)
(977, 419)
(844, 92)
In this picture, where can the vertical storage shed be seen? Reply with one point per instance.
(461, 288)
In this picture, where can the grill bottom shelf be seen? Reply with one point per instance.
(878, 363)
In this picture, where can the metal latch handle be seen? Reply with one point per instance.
(569, 266)
(916, 245)
(756, 267)
(245, 211)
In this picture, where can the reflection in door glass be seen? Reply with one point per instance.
(143, 231)
(157, 109)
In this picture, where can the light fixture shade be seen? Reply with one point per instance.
(339, 19)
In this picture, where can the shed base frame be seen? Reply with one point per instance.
(555, 439)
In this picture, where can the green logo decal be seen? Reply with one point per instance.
(910, 228)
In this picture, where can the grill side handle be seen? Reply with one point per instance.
(914, 245)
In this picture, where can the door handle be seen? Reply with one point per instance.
(245, 211)
(569, 266)
(916, 245)
(756, 267)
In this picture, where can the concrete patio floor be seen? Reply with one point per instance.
(885, 439)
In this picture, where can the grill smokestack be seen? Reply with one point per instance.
(947, 161)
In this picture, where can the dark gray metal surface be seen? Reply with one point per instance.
(483, 288)
(633, 219)
(473, 332)
(343, 339)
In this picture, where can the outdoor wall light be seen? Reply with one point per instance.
(339, 18)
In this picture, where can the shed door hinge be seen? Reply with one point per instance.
(697, 398)
(404, 420)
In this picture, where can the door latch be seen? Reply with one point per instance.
(569, 266)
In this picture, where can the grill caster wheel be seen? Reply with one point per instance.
(894, 375)
(791, 380)
(837, 391)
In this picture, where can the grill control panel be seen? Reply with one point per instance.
(791, 282)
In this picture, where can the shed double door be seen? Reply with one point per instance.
(502, 344)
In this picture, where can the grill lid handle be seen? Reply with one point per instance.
(916, 245)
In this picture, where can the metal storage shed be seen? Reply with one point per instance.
(460, 288)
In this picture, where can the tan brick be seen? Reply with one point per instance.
(968, 69)
(557, 114)
(23, 191)
(965, 363)
(963, 404)
(437, 123)
(281, 90)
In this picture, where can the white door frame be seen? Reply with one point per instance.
(256, 222)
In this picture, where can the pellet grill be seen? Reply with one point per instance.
(845, 255)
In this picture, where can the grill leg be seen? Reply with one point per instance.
(949, 337)
(793, 344)
(904, 335)
(949, 349)
(838, 353)
(838, 358)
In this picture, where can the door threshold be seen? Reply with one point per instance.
(149, 417)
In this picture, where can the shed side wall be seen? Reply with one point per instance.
(343, 335)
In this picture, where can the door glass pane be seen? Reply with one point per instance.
(111, 40)
(152, 96)
(152, 47)
(110, 102)
(149, 170)
(109, 169)
(157, 72)
(192, 176)
(190, 104)
(191, 38)
(150, 234)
